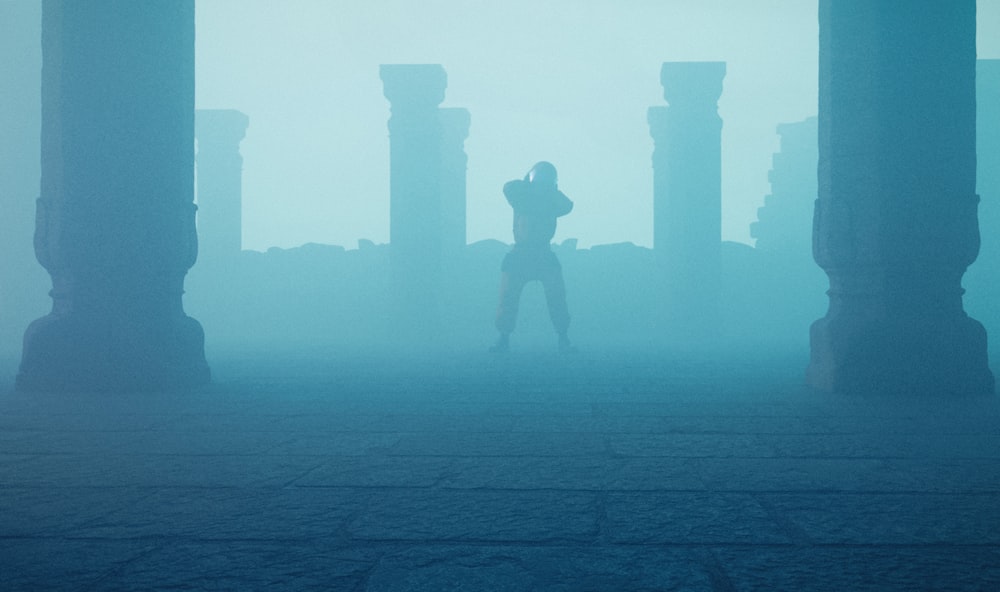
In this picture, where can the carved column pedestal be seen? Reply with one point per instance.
(115, 223)
(895, 224)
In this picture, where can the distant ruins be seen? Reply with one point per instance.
(784, 222)
(894, 210)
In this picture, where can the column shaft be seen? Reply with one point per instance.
(416, 220)
(687, 194)
(115, 219)
(895, 224)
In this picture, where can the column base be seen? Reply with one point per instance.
(72, 353)
(900, 356)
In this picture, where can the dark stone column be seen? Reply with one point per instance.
(220, 185)
(687, 194)
(455, 129)
(895, 224)
(416, 220)
(115, 221)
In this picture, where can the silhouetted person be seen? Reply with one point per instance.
(537, 202)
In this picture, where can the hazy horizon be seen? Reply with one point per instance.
(542, 82)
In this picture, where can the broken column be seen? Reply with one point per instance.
(416, 220)
(220, 185)
(687, 195)
(115, 222)
(784, 223)
(896, 220)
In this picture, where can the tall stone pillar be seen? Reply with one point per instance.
(416, 221)
(115, 221)
(687, 195)
(220, 185)
(455, 129)
(23, 283)
(895, 224)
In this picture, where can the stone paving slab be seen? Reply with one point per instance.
(835, 569)
(242, 565)
(444, 515)
(480, 444)
(555, 569)
(688, 518)
(603, 472)
(30, 511)
(156, 470)
(65, 565)
(890, 518)
(230, 514)
(570, 473)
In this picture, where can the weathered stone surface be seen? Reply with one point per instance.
(831, 569)
(555, 569)
(64, 564)
(891, 518)
(244, 565)
(244, 487)
(549, 516)
(896, 220)
(683, 518)
(115, 223)
(229, 513)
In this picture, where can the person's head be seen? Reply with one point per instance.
(543, 174)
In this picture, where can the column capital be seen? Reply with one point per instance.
(692, 83)
(220, 126)
(413, 85)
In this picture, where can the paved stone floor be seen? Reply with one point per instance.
(603, 471)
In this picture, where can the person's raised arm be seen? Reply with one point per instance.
(515, 192)
(562, 204)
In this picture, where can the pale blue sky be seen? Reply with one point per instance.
(563, 80)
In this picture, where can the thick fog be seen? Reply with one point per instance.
(541, 82)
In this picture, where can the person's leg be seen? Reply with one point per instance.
(555, 298)
(511, 285)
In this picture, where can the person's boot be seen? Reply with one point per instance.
(502, 344)
(565, 347)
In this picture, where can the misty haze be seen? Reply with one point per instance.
(467, 295)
